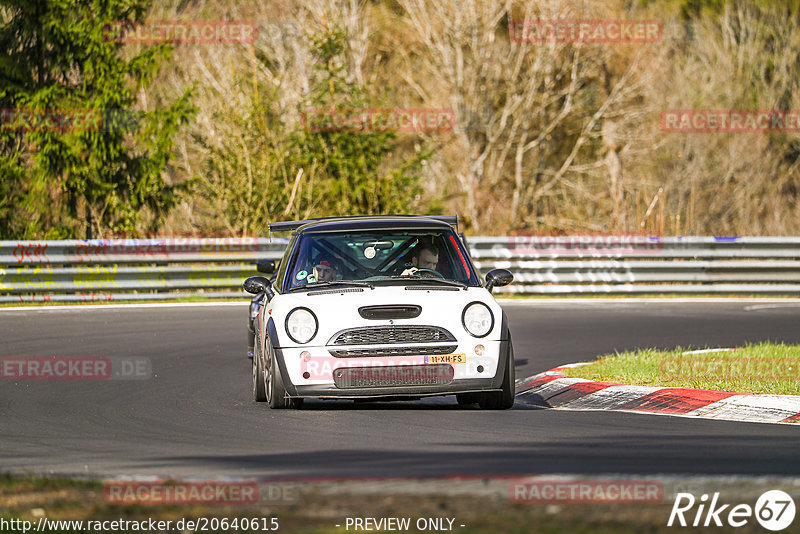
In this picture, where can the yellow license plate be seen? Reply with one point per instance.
(446, 358)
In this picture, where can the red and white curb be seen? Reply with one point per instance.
(552, 389)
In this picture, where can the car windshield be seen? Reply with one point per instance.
(381, 257)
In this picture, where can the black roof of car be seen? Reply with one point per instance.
(366, 222)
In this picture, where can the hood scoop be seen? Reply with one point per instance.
(398, 311)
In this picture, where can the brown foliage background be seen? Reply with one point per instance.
(557, 137)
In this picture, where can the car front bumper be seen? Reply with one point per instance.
(324, 386)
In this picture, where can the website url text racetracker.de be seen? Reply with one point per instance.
(199, 524)
(75, 368)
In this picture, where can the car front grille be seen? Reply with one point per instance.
(392, 376)
(379, 335)
(392, 351)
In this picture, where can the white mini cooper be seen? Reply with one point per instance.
(379, 307)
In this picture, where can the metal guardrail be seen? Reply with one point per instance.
(144, 269)
(172, 250)
(636, 264)
(130, 269)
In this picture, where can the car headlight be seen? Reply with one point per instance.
(301, 325)
(478, 319)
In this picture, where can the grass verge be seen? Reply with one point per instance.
(755, 368)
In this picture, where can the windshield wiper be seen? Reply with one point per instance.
(357, 283)
(428, 279)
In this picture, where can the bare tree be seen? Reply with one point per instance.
(731, 183)
(556, 135)
(530, 114)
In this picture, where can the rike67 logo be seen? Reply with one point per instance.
(774, 510)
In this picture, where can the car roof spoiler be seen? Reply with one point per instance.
(288, 226)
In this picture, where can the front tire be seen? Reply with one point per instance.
(259, 382)
(276, 392)
(502, 400)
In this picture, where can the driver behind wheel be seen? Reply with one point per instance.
(423, 257)
(325, 271)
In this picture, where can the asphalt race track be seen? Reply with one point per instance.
(195, 416)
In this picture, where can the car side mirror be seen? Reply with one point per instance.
(266, 266)
(498, 278)
(257, 285)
